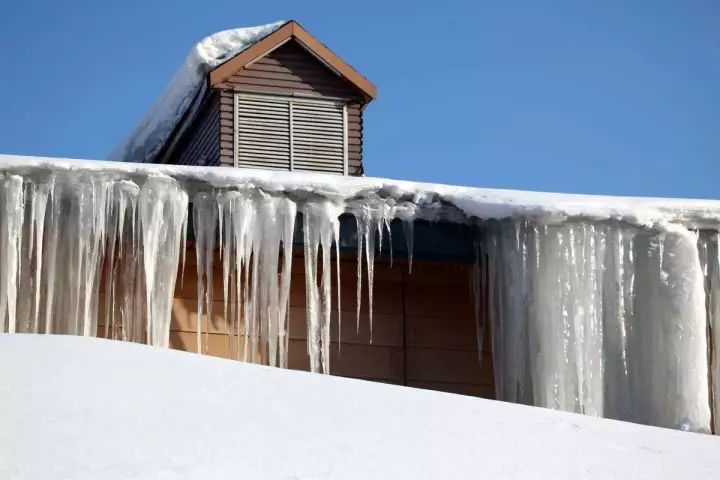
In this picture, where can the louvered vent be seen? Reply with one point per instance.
(318, 136)
(263, 132)
(291, 134)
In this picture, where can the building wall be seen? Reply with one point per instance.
(423, 329)
(200, 143)
(291, 70)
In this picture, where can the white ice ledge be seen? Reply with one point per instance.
(481, 203)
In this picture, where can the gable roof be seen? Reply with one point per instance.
(293, 31)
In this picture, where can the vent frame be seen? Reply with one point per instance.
(290, 133)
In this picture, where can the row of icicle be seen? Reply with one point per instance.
(605, 319)
(61, 232)
(255, 232)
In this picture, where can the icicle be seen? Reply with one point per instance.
(161, 206)
(85, 246)
(600, 320)
(360, 229)
(125, 269)
(616, 299)
(367, 225)
(237, 225)
(220, 224)
(370, 231)
(110, 274)
(252, 297)
(225, 236)
(255, 230)
(477, 292)
(183, 248)
(129, 261)
(243, 218)
(710, 262)
(288, 211)
(338, 283)
(205, 228)
(409, 233)
(320, 226)
(372, 217)
(715, 324)
(39, 202)
(278, 216)
(386, 223)
(668, 343)
(11, 226)
(51, 257)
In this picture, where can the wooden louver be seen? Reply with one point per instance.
(290, 134)
(262, 129)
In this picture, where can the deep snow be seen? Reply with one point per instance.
(75, 407)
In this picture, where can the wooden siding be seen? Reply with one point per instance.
(291, 70)
(200, 143)
(423, 328)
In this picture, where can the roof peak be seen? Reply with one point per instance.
(292, 30)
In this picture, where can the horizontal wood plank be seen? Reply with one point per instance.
(453, 366)
(482, 391)
(423, 329)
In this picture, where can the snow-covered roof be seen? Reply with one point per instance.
(73, 407)
(153, 130)
(472, 202)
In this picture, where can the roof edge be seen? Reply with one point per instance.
(293, 30)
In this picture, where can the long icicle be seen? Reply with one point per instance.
(162, 207)
(10, 246)
(204, 226)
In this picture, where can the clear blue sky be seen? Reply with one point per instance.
(613, 96)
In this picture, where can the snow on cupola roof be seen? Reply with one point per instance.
(188, 82)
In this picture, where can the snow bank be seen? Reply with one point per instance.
(155, 127)
(85, 408)
(434, 199)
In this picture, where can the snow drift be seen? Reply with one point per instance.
(599, 305)
(87, 408)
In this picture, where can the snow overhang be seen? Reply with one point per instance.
(436, 201)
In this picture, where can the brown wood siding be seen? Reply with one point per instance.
(355, 139)
(200, 143)
(291, 70)
(423, 326)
